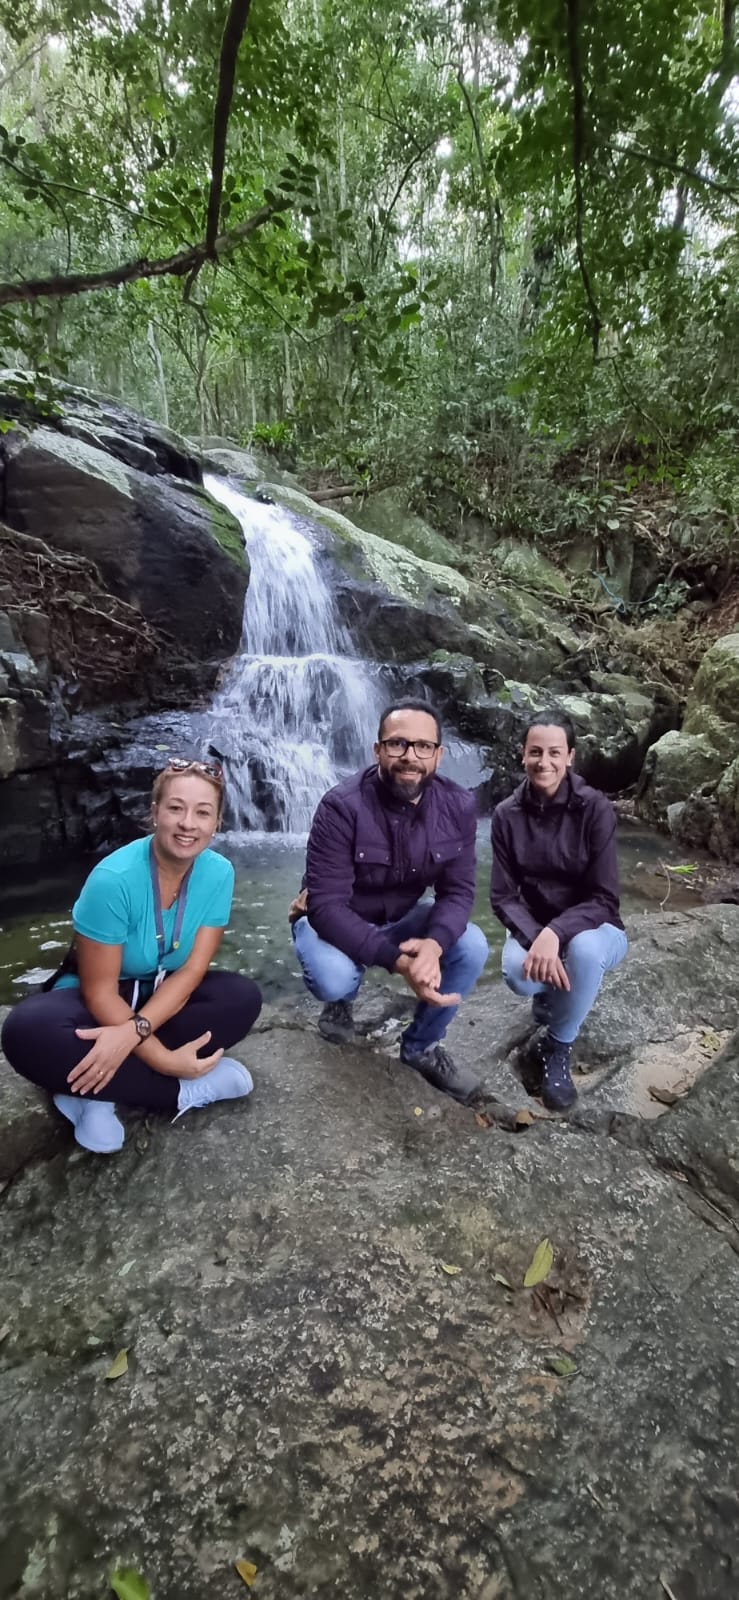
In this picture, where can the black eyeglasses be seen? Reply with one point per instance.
(207, 769)
(424, 749)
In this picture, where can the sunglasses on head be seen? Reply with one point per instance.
(207, 769)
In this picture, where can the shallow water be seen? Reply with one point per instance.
(35, 923)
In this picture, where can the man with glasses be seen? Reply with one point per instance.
(378, 841)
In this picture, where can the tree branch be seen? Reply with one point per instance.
(492, 205)
(678, 167)
(233, 34)
(177, 266)
(578, 158)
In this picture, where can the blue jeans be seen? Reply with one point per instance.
(585, 959)
(330, 975)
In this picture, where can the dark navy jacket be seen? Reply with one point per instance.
(554, 862)
(371, 856)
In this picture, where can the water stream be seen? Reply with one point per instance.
(297, 710)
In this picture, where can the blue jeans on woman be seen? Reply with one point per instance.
(330, 975)
(586, 958)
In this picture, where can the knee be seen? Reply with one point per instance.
(512, 961)
(585, 952)
(19, 1031)
(473, 947)
(337, 979)
(245, 999)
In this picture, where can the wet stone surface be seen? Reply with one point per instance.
(311, 1388)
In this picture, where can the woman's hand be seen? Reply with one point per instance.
(186, 1063)
(112, 1044)
(543, 964)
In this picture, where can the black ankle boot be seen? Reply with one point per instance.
(336, 1022)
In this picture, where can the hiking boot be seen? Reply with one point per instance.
(336, 1022)
(438, 1068)
(557, 1091)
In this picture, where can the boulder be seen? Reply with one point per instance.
(401, 606)
(712, 708)
(676, 766)
(139, 531)
(388, 514)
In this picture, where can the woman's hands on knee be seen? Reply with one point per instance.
(543, 964)
(112, 1044)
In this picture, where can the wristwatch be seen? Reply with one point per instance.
(142, 1026)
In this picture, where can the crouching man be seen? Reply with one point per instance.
(378, 841)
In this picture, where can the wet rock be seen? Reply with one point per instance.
(387, 514)
(310, 1386)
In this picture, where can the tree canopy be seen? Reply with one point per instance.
(402, 233)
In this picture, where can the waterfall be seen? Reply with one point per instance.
(296, 711)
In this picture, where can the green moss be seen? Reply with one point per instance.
(224, 528)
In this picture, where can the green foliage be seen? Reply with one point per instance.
(448, 296)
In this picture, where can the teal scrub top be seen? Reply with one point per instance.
(116, 906)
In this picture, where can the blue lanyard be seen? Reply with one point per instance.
(158, 919)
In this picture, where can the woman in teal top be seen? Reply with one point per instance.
(137, 1013)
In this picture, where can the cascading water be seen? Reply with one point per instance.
(296, 710)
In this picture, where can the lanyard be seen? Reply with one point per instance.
(158, 919)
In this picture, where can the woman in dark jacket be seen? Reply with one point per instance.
(555, 889)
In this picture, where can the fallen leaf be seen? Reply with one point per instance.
(684, 872)
(524, 1119)
(498, 1276)
(127, 1268)
(709, 1040)
(4, 1331)
(450, 1270)
(665, 1097)
(596, 1497)
(129, 1585)
(665, 1585)
(418, 1111)
(247, 1571)
(482, 1120)
(119, 1366)
(564, 1366)
(540, 1264)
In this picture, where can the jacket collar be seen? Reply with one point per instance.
(569, 795)
(391, 802)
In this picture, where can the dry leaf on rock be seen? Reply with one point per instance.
(665, 1585)
(418, 1111)
(247, 1571)
(449, 1269)
(129, 1585)
(483, 1120)
(540, 1264)
(524, 1118)
(498, 1276)
(119, 1366)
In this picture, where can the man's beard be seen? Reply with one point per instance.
(405, 790)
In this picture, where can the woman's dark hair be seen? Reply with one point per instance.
(551, 718)
(410, 705)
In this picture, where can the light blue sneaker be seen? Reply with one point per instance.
(228, 1080)
(96, 1126)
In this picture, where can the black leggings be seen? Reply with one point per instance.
(40, 1042)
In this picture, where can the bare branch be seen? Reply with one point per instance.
(492, 204)
(177, 266)
(233, 34)
(678, 167)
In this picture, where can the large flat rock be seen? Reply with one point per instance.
(326, 1377)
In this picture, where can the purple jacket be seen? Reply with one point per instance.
(554, 862)
(370, 858)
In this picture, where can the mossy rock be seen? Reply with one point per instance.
(387, 515)
(225, 527)
(677, 765)
(713, 702)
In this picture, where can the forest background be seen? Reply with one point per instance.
(485, 251)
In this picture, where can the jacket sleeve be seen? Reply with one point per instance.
(505, 893)
(455, 890)
(329, 878)
(600, 882)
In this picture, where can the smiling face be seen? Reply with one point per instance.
(185, 818)
(546, 758)
(407, 773)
